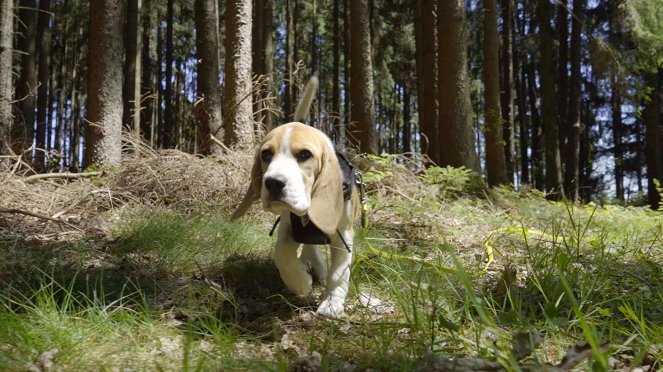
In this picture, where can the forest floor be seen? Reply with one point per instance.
(138, 268)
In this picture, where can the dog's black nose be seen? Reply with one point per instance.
(274, 186)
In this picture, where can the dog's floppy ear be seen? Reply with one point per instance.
(253, 192)
(327, 195)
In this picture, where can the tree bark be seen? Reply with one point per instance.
(26, 84)
(425, 23)
(6, 49)
(43, 75)
(167, 137)
(263, 61)
(132, 69)
(209, 118)
(575, 127)
(362, 125)
(563, 128)
(104, 105)
(553, 176)
(237, 105)
(617, 129)
(652, 118)
(454, 112)
(148, 95)
(495, 159)
(337, 122)
(506, 91)
(407, 125)
(520, 78)
(288, 100)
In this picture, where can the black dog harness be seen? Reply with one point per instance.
(304, 231)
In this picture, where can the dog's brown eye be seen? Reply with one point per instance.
(266, 155)
(303, 155)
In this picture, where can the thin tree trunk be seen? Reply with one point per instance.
(537, 129)
(407, 125)
(495, 159)
(237, 99)
(104, 105)
(563, 128)
(288, 100)
(652, 118)
(519, 60)
(6, 49)
(26, 84)
(148, 95)
(346, 69)
(617, 128)
(362, 125)
(425, 24)
(553, 175)
(168, 132)
(263, 55)
(337, 123)
(506, 91)
(132, 69)
(454, 120)
(208, 115)
(43, 75)
(571, 174)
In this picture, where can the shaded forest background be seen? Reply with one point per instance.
(563, 96)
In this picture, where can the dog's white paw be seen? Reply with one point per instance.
(331, 308)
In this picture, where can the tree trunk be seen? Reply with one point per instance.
(209, 117)
(425, 23)
(148, 95)
(617, 128)
(26, 84)
(346, 69)
(288, 100)
(263, 61)
(495, 159)
(407, 126)
(362, 113)
(519, 60)
(43, 75)
(132, 70)
(553, 177)
(237, 100)
(455, 115)
(652, 118)
(537, 130)
(337, 123)
(104, 104)
(167, 137)
(563, 128)
(572, 153)
(6, 49)
(506, 91)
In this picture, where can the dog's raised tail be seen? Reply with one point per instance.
(304, 105)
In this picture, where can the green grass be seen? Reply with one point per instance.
(194, 292)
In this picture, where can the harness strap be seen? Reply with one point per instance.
(310, 237)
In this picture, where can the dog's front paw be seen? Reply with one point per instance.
(331, 308)
(301, 285)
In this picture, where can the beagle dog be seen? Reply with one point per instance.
(298, 175)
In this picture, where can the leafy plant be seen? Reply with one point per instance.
(451, 181)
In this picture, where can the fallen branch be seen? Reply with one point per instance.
(66, 175)
(77, 202)
(37, 215)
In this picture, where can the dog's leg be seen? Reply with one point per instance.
(293, 272)
(338, 278)
(314, 257)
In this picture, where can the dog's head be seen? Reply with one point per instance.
(296, 169)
